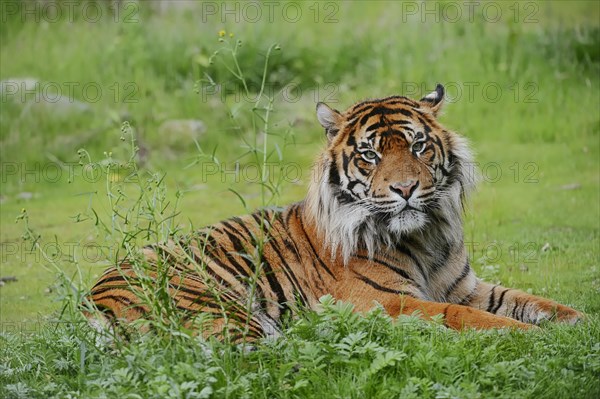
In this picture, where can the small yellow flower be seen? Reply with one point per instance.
(231, 35)
(114, 177)
(222, 33)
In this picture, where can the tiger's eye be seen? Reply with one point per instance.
(418, 146)
(369, 155)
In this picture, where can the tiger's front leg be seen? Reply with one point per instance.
(363, 292)
(520, 305)
(457, 317)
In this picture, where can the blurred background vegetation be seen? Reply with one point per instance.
(360, 49)
(522, 81)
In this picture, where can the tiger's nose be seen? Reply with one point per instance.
(405, 188)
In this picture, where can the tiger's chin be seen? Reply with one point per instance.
(407, 221)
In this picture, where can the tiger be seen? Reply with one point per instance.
(381, 225)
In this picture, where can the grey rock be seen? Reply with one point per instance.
(165, 6)
(36, 97)
(25, 195)
(181, 133)
(59, 107)
(16, 89)
(572, 186)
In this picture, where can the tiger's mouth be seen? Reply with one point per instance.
(406, 221)
(406, 207)
(409, 212)
(402, 212)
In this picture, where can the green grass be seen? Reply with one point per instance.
(332, 354)
(525, 227)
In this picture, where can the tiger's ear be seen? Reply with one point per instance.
(329, 118)
(434, 100)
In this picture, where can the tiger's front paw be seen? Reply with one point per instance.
(558, 313)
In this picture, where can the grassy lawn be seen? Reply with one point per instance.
(523, 88)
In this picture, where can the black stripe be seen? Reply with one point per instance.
(458, 280)
(500, 301)
(232, 234)
(440, 261)
(344, 197)
(251, 237)
(263, 221)
(288, 271)
(383, 110)
(203, 305)
(345, 162)
(514, 311)
(102, 289)
(276, 287)
(522, 315)
(210, 243)
(117, 298)
(242, 224)
(380, 287)
(290, 245)
(426, 195)
(239, 249)
(353, 184)
(351, 142)
(393, 100)
(105, 310)
(109, 279)
(425, 124)
(397, 270)
(363, 119)
(233, 308)
(440, 145)
(204, 264)
(312, 247)
(492, 300)
(387, 124)
(405, 251)
(334, 178)
(290, 213)
(406, 112)
(375, 126)
(277, 242)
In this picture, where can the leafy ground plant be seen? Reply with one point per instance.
(333, 353)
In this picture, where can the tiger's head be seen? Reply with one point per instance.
(389, 170)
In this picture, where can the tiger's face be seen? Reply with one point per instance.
(389, 164)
